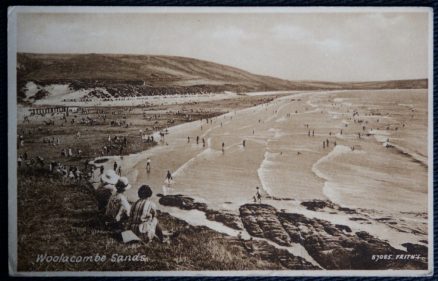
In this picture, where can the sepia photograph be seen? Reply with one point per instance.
(154, 141)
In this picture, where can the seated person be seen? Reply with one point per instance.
(118, 208)
(106, 188)
(143, 221)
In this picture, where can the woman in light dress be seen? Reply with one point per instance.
(118, 209)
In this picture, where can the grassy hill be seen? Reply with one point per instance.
(140, 75)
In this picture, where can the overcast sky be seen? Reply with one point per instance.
(294, 46)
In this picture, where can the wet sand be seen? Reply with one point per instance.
(286, 162)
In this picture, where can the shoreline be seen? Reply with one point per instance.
(191, 124)
(330, 216)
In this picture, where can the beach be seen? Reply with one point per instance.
(284, 155)
(323, 160)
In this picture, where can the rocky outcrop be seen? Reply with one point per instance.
(317, 205)
(182, 202)
(263, 251)
(416, 249)
(332, 246)
(228, 219)
(260, 220)
(187, 203)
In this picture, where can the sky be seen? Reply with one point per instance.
(334, 46)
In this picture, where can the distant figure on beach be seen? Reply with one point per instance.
(143, 220)
(197, 139)
(148, 165)
(223, 147)
(188, 139)
(203, 142)
(119, 170)
(169, 176)
(167, 183)
(115, 166)
(101, 169)
(257, 197)
(244, 143)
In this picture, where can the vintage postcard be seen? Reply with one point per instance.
(220, 141)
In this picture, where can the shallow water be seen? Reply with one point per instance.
(284, 161)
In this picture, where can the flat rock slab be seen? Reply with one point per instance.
(332, 246)
(187, 203)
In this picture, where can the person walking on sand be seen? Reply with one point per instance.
(223, 147)
(197, 139)
(257, 197)
(244, 143)
(167, 183)
(203, 142)
(148, 165)
(188, 139)
(169, 176)
(115, 165)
